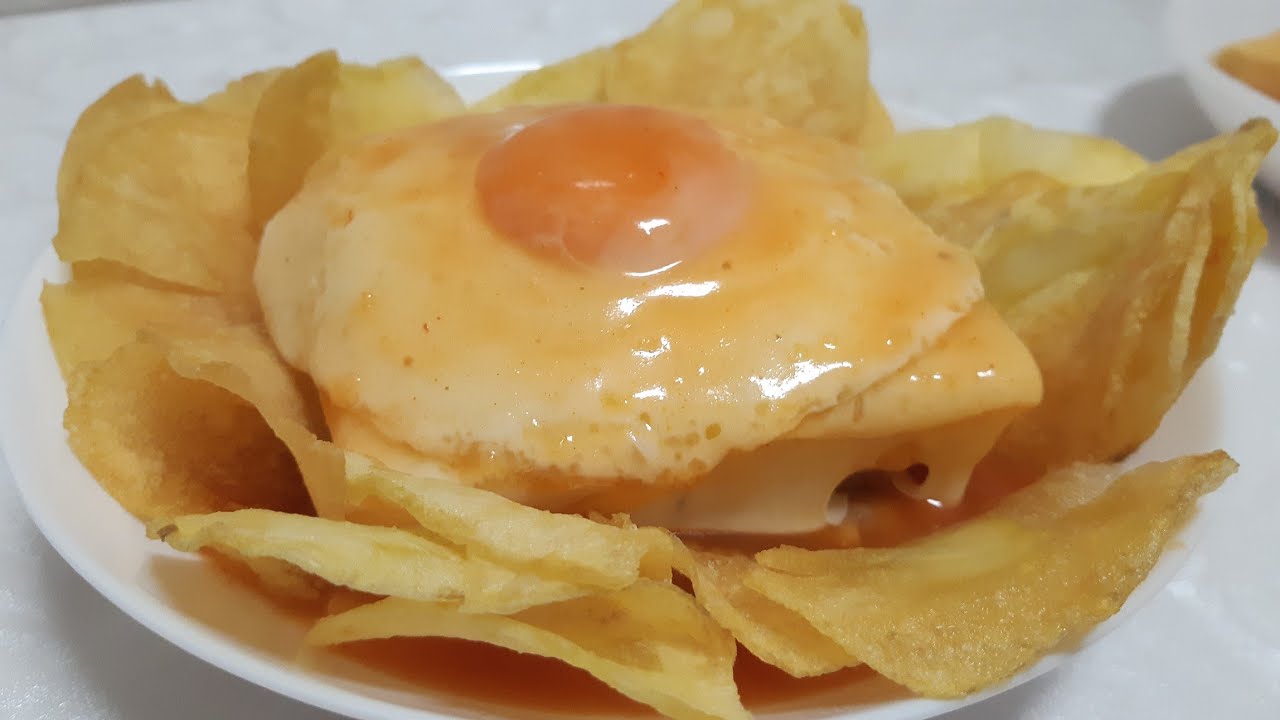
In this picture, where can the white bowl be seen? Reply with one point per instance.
(1195, 31)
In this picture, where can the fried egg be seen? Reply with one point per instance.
(705, 319)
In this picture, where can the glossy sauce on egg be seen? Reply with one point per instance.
(617, 188)
(587, 297)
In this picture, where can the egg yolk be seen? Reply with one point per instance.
(626, 188)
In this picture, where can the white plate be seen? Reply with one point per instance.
(1195, 31)
(185, 602)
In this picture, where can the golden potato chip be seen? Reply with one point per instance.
(929, 168)
(773, 633)
(877, 125)
(124, 105)
(1254, 62)
(164, 445)
(262, 377)
(577, 79)
(804, 63)
(389, 96)
(650, 642)
(243, 361)
(240, 97)
(167, 197)
(322, 103)
(971, 606)
(367, 558)
(288, 133)
(104, 307)
(301, 593)
(552, 545)
(1120, 292)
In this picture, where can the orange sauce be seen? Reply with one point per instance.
(468, 670)
(464, 669)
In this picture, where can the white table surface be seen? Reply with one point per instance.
(1208, 646)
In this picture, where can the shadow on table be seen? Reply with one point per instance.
(1156, 116)
(135, 674)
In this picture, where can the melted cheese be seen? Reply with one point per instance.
(944, 410)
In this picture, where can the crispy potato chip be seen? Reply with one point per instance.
(322, 103)
(164, 445)
(289, 132)
(929, 168)
(1255, 62)
(124, 105)
(243, 361)
(877, 125)
(650, 642)
(971, 606)
(240, 97)
(367, 558)
(104, 307)
(553, 545)
(167, 197)
(298, 591)
(389, 96)
(261, 375)
(1120, 292)
(578, 79)
(803, 63)
(773, 633)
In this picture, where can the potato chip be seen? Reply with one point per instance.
(322, 103)
(240, 97)
(167, 197)
(263, 378)
(877, 125)
(366, 558)
(1254, 62)
(930, 168)
(389, 96)
(650, 642)
(105, 306)
(971, 606)
(578, 79)
(242, 361)
(803, 63)
(289, 132)
(124, 105)
(773, 633)
(164, 445)
(554, 545)
(299, 592)
(1120, 292)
